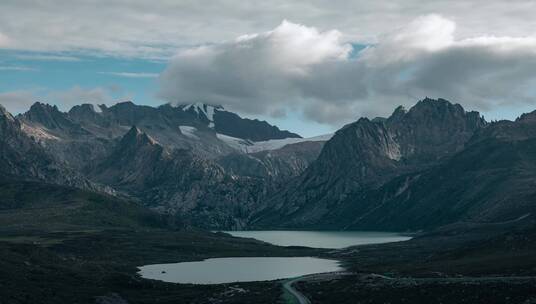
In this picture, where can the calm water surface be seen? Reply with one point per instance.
(228, 270)
(321, 239)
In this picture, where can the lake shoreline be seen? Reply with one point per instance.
(223, 270)
(320, 239)
(228, 270)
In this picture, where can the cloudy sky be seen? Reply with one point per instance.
(309, 66)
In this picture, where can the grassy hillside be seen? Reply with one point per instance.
(26, 205)
(64, 245)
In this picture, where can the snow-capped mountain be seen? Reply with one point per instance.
(210, 131)
(203, 111)
(231, 124)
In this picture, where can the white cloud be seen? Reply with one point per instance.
(17, 101)
(255, 73)
(429, 33)
(157, 28)
(131, 74)
(4, 40)
(313, 71)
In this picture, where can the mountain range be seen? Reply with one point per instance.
(431, 165)
(205, 164)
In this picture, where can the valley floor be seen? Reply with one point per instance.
(100, 267)
(464, 263)
(84, 248)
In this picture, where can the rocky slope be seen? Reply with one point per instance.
(231, 124)
(63, 136)
(199, 161)
(179, 182)
(22, 158)
(491, 180)
(364, 155)
(277, 165)
(84, 134)
(428, 166)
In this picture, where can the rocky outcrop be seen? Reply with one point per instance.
(277, 166)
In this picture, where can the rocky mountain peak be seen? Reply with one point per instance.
(7, 122)
(86, 109)
(46, 115)
(437, 113)
(89, 114)
(4, 114)
(436, 108)
(201, 107)
(136, 137)
(203, 111)
(527, 117)
(39, 108)
(126, 103)
(365, 154)
(125, 108)
(398, 113)
(425, 107)
(51, 118)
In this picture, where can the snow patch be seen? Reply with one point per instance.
(236, 143)
(188, 131)
(209, 113)
(273, 144)
(393, 152)
(204, 109)
(96, 108)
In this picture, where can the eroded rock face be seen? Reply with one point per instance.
(491, 180)
(279, 165)
(179, 182)
(165, 157)
(366, 154)
(22, 158)
(63, 137)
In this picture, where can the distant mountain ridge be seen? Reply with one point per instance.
(431, 165)
(22, 158)
(490, 180)
(167, 158)
(83, 134)
(231, 124)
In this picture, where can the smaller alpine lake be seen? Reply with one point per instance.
(321, 239)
